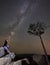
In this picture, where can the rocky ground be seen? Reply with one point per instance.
(23, 59)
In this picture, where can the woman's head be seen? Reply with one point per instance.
(5, 43)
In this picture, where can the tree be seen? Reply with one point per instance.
(38, 29)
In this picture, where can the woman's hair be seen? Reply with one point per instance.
(5, 43)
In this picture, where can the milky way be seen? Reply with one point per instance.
(15, 17)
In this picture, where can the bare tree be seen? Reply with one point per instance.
(38, 29)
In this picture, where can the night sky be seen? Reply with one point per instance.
(15, 17)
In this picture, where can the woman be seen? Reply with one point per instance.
(6, 48)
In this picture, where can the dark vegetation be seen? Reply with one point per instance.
(30, 59)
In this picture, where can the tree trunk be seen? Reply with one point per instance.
(44, 50)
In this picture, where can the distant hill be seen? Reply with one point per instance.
(19, 56)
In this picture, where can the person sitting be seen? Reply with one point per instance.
(6, 48)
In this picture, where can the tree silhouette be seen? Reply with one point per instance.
(38, 29)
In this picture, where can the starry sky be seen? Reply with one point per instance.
(15, 17)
